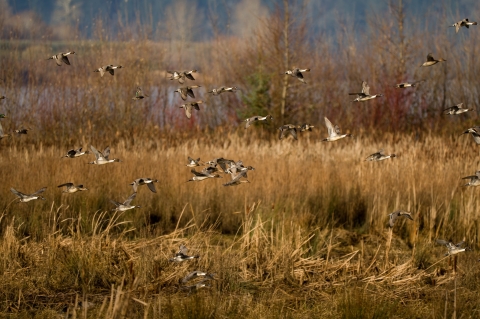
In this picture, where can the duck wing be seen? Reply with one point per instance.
(68, 185)
(442, 242)
(151, 186)
(188, 110)
(190, 92)
(98, 155)
(19, 194)
(476, 137)
(65, 59)
(106, 152)
(129, 199)
(331, 130)
(41, 190)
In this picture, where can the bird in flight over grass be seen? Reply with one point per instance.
(453, 249)
(182, 75)
(108, 68)
(197, 274)
(365, 94)
(187, 91)
(379, 156)
(256, 118)
(223, 89)
(408, 84)
(75, 153)
(397, 214)
(181, 255)
(122, 207)
(200, 176)
(297, 73)
(28, 197)
(193, 162)
(144, 181)
(237, 179)
(463, 23)
(474, 179)
(456, 109)
(287, 129)
(475, 132)
(102, 158)
(334, 132)
(71, 188)
(2, 134)
(139, 94)
(431, 61)
(189, 106)
(61, 57)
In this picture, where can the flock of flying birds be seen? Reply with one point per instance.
(236, 169)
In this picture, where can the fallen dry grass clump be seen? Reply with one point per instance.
(309, 235)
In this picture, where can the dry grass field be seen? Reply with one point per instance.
(307, 237)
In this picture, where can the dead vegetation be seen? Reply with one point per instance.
(308, 235)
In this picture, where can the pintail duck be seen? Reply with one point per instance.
(209, 170)
(193, 162)
(223, 162)
(475, 131)
(181, 76)
(181, 255)
(238, 167)
(189, 106)
(26, 198)
(334, 132)
(144, 181)
(122, 207)
(456, 109)
(365, 94)
(200, 176)
(237, 179)
(431, 61)
(75, 153)
(197, 274)
(296, 72)
(197, 286)
(463, 23)
(379, 156)
(223, 89)
(61, 57)
(21, 131)
(306, 127)
(139, 94)
(397, 214)
(474, 179)
(71, 188)
(287, 129)
(187, 91)
(2, 135)
(257, 118)
(102, 158)
(108, 68)
(408, 84)
(453, 249)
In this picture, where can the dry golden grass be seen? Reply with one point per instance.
(308, 235)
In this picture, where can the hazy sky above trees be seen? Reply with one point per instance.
(203, 19)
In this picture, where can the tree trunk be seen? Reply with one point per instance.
(286, 24)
